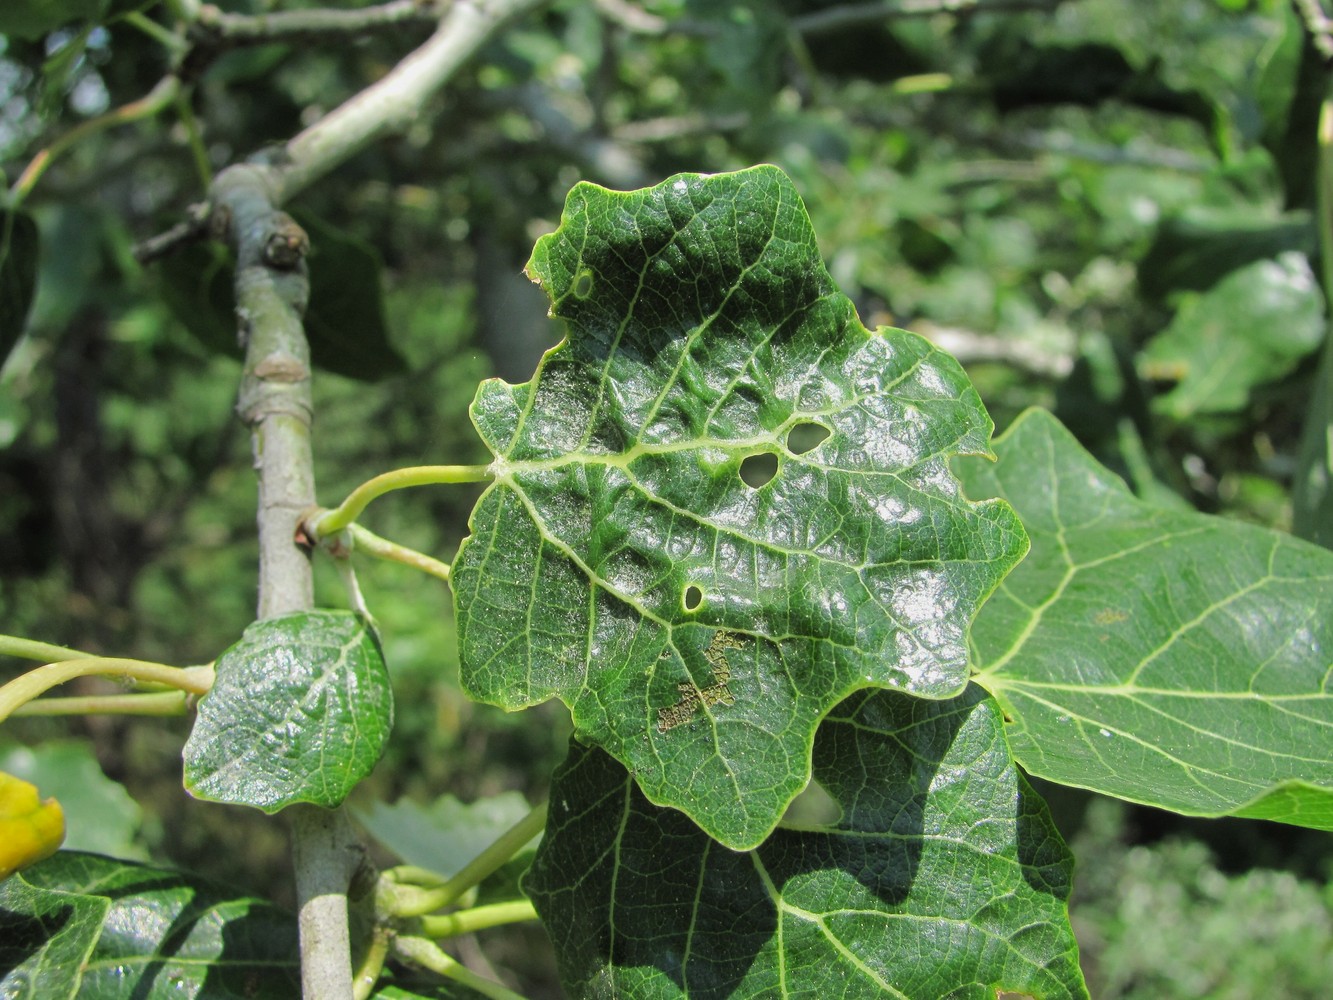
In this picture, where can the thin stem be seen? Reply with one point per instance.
(365, 978)
(382, 548)
(163, 703)
(313, 24)
(428, 955)
(478, 918)
(30, 649)
(411, 874)
(394, 102)
(489, 860)
(855, 15)
(23, 689)
(150, 104)
(194, 138)
(331, 521)
(1312, 486)
(168, 40)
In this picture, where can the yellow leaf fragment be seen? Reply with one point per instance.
(30, 829)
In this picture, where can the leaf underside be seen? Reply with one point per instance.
(943, 877)
(721, 505)
(300, 712)
(1165, 657)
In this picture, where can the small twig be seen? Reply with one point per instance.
(216, 27)
(1318, 24)
(395, 101)
(855, 15)
(679, 127)
(160, 97)
(194, 227)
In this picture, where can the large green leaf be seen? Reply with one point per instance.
(1254, 326)
(88, 926)
(18, 276)
(1161, 656)
(944, 876)
(46, 936)
(633, 558)
(300, 712)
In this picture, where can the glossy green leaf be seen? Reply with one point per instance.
(95, 927)
(1161, 656)
(300, 712)
(1253, 327)
(633, 556)
(18, 275)
(944, 876)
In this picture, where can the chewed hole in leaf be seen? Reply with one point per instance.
(759, 470)
(806, 437)
(693, 597)
(582, 284)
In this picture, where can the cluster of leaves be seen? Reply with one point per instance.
(708, 589)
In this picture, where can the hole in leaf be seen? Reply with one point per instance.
(759, 470)
(583, 285)
(806, 437)
(693, 597)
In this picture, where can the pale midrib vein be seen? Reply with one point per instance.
(775, 898)
(699, 884)
(697, 332)
(1188, 768)
(1128, 690)
(625, 811)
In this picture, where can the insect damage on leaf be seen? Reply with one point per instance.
(719, 443)
(717, 693)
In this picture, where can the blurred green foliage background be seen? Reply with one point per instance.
(1100, 207)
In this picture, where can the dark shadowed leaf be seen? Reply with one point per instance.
(88, 926)
(18, 276)
(663, 549)
(944, 876)
(196, 284)
(345, 319)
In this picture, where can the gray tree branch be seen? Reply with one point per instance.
(275, 402)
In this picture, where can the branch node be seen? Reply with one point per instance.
(286, 245)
